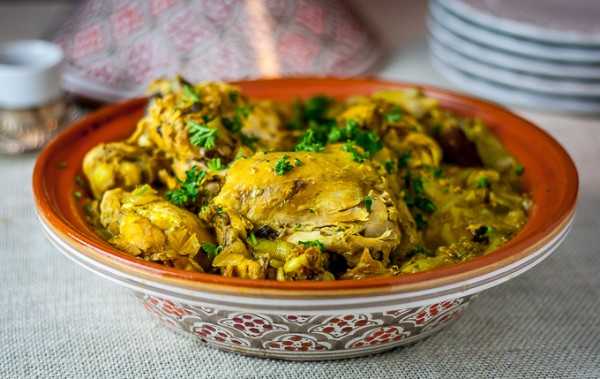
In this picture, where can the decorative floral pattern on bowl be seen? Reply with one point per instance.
(305, 337)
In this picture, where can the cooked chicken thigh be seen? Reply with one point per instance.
(144, 224)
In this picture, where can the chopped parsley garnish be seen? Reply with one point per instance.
(394, 115)
(316, 107)
(368, 140)
(437, 172)
(190, 93)
(389, 166)
(320, 133)
(248, 140)
(215, 164)
(189, 189)
(309, 142)
(78, 194)
(79, 180)
(519, 169)
(368, 203)
(201, 135)
(417, 200)
(404, 159)
(252, 239)
(283, 165)
(211, 250)
(314, 243)
(298, 162)
(483, 182)
(235, 124)
(357, 156)
(312, 110)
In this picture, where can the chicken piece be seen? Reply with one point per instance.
(325, 197)
(294, 262)
(144, 224)
(192, 124)
(118, 164)
(264, 123)
(412, 100)
(420, 148)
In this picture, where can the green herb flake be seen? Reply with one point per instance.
(252, 239)
(190, 93)
(88, 209)
(314, 243)
(215, 164)
(309, 142)
(437, 172)
(79, 180)
(416, 198)
(356, 155)
(211, 250)
(482, 182)
(298, 162)
(519, 169)
(189, 189)
(389, 166)
(368, 200)
(315, 108)
(394, 115)
(77, 194)
(201, 135)
(283, 165)
(404, 159)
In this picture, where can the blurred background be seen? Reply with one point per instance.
(541, 55)
(114, 47)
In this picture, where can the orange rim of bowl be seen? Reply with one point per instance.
(550, 176)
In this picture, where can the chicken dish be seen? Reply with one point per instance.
(313, 189)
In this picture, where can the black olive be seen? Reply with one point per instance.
(457, 148)
(266, 232)
(337, 265)
(480, 235)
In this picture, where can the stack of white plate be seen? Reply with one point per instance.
(539, 54)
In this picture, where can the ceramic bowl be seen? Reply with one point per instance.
(309, 320)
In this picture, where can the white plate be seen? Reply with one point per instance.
(512, 61)
(511, 95)
(497, 40)
(551, 86)
(554, 21)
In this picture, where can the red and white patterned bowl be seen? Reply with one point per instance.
(309, 320)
